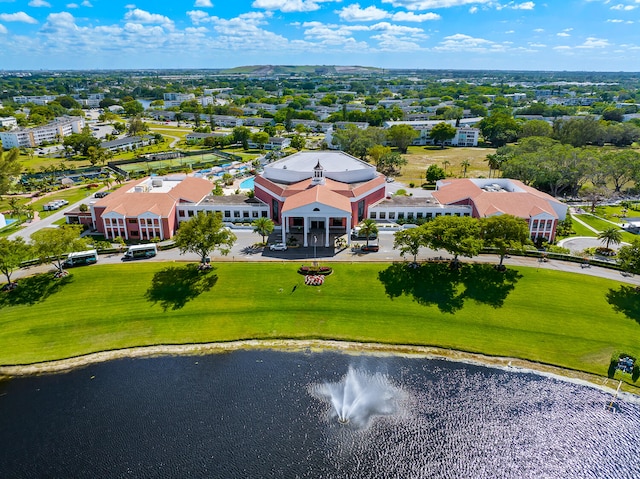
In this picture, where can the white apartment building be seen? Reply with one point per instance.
(50, 133)
(465, 135)
(36, 100)
(175, 99)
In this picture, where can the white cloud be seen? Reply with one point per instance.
(354, 13)
(144, 17)
(87, 3)
(203, 3)
(17, 17)
(563, 34)
(537, 45)
(538, 30)
(72, 5)
(466, 43)
(509, 32)
(431, 4)
(620, 6)
(290, 5)
(473, 10)
(39, 3)
(198, 16)
(593, 42)
(3, 29)
(524, 6)
(412, 17)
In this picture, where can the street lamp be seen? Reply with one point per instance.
(315, 242)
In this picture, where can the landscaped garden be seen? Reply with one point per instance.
(573, 321)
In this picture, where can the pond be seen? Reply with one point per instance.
(308, 415)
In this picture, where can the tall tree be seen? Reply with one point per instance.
(263, 226)
(409, 241)
(499, 128)
(504, 232)
(12, 254)
(52, 244)
(402, 136)
(203, 234)
(442, 132)
(629, 257)
(458, 235)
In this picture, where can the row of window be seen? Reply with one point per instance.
(542, 224)
(382, 215)
(228, 214)
(132, 221)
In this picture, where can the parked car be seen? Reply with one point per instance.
(372, 248)
(278, 247)
(101, 194)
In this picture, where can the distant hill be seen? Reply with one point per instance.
(301, 69)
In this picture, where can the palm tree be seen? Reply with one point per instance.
(263, 226)
(465, 164)
(610, 235)
(445, 163)
(368, 227)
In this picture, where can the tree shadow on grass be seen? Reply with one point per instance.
(625, 300)
(447, 288)
(33, 289)
(173, 287)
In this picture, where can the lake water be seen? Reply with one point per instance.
(262, 414)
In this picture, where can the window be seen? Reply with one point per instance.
(419, 214)
(372, 215)
(383, 215)
(535, 224)
(245, 214)
(401, 215)
(429, 215)
(254, 214)
(275, 209)
(132, 221)
(410, 215)
(190, 213)
(360, 210)
(236, 214)
(392, 215)
(227, 214)
(264, 214)
(133, 233)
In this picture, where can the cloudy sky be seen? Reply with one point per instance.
(599, 35)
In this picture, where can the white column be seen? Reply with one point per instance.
(160, 227)
(306, 232)
(326, 232)
(283, 221)
(124, 225)
(348, 230)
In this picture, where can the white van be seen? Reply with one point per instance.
(140, 251)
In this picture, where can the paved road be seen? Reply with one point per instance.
(243, 251)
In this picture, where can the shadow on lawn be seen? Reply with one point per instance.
(173, 287)
(625, 300)
(33, 289)
(447, 288)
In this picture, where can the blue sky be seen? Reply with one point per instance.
(601, 35)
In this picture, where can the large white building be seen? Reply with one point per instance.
(51, 133)
(465, 134)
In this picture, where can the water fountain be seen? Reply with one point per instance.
(358, 397)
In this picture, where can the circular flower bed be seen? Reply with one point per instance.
(605, 251)
(314, 280)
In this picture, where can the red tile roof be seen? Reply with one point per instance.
(317, 194)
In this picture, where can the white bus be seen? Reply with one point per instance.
(81, 258)
(140, 251)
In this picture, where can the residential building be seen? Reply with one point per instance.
(52, 132)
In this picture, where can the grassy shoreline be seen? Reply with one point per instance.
(545, 317)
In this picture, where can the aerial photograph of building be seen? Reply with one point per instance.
(320, 239)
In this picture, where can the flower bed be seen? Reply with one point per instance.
(315, 270)
(314, 280)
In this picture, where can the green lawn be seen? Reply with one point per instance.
(601, 225)
(563, 319)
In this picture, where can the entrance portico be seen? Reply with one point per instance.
(321, 217)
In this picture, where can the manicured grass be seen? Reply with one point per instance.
(601, 225)
(419, 158)
(541, 315)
